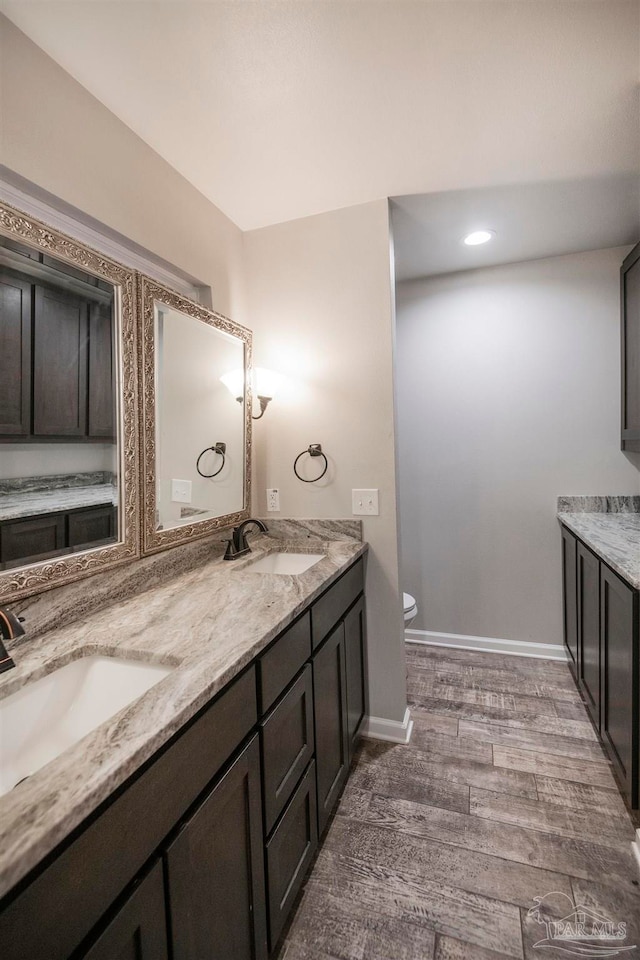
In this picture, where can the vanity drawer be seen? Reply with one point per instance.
(287, 741)
(282, 661)
(290, 852)
(326, 611)
(39, 921)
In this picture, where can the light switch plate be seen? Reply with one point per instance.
(273, 500)
(364, 503)
(181, 491)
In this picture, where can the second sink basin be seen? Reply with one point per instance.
(284, 563)
(42, 719)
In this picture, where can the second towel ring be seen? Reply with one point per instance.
(220, 449)
(314, 450)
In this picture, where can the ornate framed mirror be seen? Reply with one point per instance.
(196, 435)
(68, 409)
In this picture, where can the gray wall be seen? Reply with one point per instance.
(508, 395)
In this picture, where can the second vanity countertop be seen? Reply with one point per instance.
(614, 537)
(208, 624)
(14, 506)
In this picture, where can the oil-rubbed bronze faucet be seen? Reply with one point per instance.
(10, 628)
(238, 546)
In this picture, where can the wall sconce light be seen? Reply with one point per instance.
(265, 386)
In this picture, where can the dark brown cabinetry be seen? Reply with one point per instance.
(619, 725)
(56, 363)
(570, 594)
(201, 855)
(607, 666)
(138, 931)
(215, 872)
(630, 330)
(30, 539)
(355, 648)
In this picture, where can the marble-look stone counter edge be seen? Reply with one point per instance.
(613, 537)
(599, 504)
(209, 622)
(17, 506)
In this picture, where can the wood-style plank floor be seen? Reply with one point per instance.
(438, 849)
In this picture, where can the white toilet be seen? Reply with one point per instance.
(410, 609)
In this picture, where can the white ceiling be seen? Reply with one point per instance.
(277, 110)
(530, 221)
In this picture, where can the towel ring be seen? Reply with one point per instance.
(314, 450)
(219, 448)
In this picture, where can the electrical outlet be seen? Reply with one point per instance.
(273, 500)
(364, 503)
(181, 491)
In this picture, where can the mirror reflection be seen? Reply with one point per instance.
(200, 425)
(59, 459)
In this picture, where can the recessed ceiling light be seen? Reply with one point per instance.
(478, 237)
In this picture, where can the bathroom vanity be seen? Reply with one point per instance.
(601, 584)
(185, 826)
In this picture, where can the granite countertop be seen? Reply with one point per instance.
(208, 624)
(614, 537)
(15, 506)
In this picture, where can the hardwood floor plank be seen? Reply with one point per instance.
(619, 902)
(503, 682)
(531, 740)
(571, 711)
(551, 818)
(581, 796)
(595, 772)
(440, 907)
(435, 722)
(580, 858)
(423, 653)
(324, 923)
(423, 691)
(441, 745)
(468, 772)
(433, 860)
(398, 939)
(449, 949)
(558, 726)
(410, 785)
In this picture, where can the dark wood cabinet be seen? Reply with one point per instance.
(215, 872)
(289, 853)
(355, 646)
(138, 931)
(630, 337)
(619, 631)
(56, 363)
(607, 665)
(330, 709)
(59, 364)
(15, 355)
(202, 853)
(588, 574)
(570, 598)
(30, 539)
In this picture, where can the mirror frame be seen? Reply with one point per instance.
(19, 582)
(151, 292)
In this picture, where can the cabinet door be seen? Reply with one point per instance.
(139, 929)
(59, 364)
(215, 871)
(619, 627)
(15, 355)
(287, 742)
(101, 396)
(330, 710)
(570, 598)
(630, 331)
(290, 852)
(589, 630)
(88, 527)
(33, 537)
(355, 638)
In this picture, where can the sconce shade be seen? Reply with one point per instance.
(234, 382)
(266, 383)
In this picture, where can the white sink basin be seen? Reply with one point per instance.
(44, 718)
(284, 563)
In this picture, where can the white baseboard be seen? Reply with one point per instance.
(635, 846)
(515, 648)
(396, 731)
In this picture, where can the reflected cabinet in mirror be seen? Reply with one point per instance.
(68, 434)
(196, 434)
